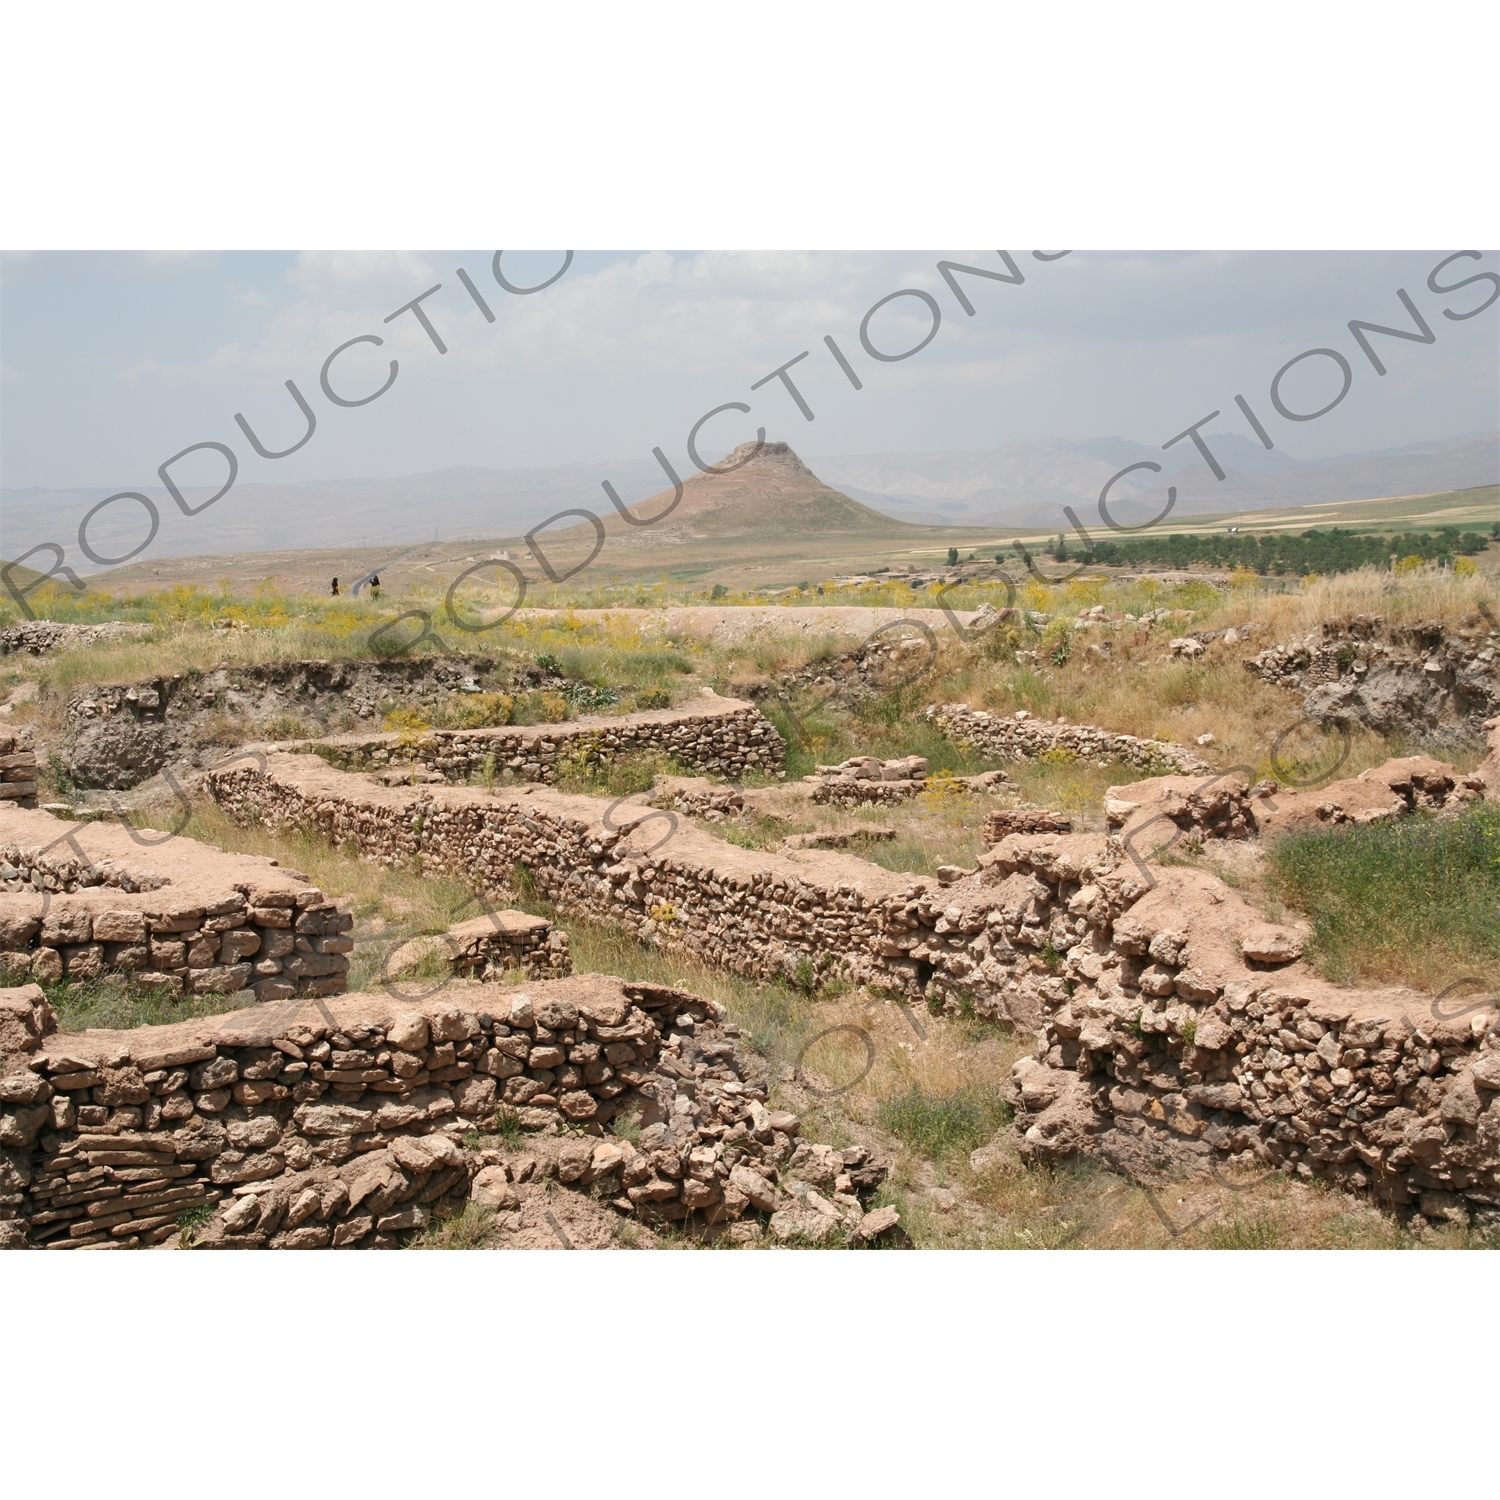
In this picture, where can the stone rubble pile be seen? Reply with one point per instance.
(1019, 736)
(489, 948)
(713, 735)
(347, 1123)
(698, 797)
(82, 900)
(18, 773)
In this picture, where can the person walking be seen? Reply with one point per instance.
(375, 587)
(335, 588)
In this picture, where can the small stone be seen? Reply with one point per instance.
(1486, 1070)
(761, 1193)
(241, 1217)
(408, 1033)
(1266, 944)
(876, 1223)
(492, 1189)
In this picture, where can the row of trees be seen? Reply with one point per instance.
(1313, 551)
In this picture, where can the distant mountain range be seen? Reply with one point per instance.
(1028, 482)
(1022, 483)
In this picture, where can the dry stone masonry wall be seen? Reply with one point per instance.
(867, 780)
(18, 774)
(88, 899)
(490, 948)
(347, 1123)
(713, 735)
(1177, 1028)
(698, 797)
(33, 637)
(1008, 820)
(757, 913)
(1225, 807)
(1018, 736)
(1157, 991)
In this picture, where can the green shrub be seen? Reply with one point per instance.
(585, 698)
(508, 1125)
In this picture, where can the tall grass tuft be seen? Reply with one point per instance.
(943, 1125)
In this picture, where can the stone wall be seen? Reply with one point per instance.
(866, 780)
(698, 797)
(1224, 807)
(1018, 736)
(80, 900)
(33, 637)
(665, 881)
(344, 1123)
(717, 736)
(18, 773)
(489, 948)
(1054, 931)
(1007, 820)
(1177, 1027)
(215, 941)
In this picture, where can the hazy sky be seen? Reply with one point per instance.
(111, 363)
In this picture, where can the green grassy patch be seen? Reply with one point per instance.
(114, 1005)
(943, 1125)
(1414, 901)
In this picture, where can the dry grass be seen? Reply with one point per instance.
(1426, 594)
(468, 1228)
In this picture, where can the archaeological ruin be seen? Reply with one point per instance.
(1176, 1029)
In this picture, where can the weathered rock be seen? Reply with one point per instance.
(1266, 944)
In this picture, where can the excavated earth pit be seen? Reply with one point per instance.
(1431, 681)
(113, 738)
